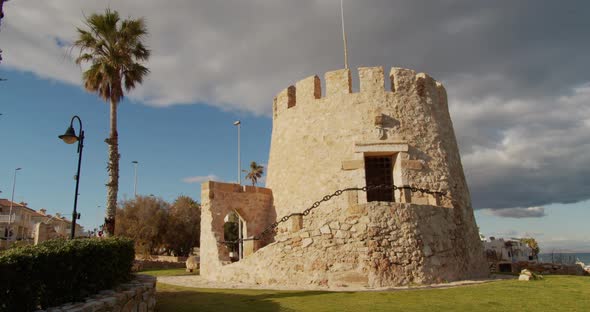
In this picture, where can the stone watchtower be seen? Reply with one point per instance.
(395, 131)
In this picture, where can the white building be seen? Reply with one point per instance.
(509, 250)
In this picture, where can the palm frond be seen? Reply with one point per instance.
(115, 50)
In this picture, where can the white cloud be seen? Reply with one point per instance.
(201, 179)
(519, 103)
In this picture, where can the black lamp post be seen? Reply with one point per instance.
(70, 138)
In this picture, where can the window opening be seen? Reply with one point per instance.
(379, 171)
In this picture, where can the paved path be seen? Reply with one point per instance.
(197, 281)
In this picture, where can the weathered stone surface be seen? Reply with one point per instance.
(412, 164)
(353, 164)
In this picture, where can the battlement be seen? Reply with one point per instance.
(371, 79)
(211, 187)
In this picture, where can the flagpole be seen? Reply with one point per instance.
(344, 35)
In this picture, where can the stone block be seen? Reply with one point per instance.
(412, 164)
(380, 147)
(296, 222)
(356, 209)
(338, 82)
(403, 80)
(308, 89)
(248, 247)
(353, 164)
(325, 229)
(371, 79)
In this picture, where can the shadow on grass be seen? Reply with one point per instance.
(173, 299)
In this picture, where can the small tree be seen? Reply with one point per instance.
(143, 219)
(255, 173)
(183, 227)
(532, 243)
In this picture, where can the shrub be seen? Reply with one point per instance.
(60, 271)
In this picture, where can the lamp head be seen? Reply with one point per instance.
(134, 162)
(70, 136)
(237, 122)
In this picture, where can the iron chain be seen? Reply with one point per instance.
(273, 226)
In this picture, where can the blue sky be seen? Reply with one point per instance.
(518, 91)
(171, 144)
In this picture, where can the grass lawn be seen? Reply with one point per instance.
(554, 293)
(168, 272)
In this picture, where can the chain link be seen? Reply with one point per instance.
(273, 226)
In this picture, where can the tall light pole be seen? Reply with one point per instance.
(238, 124)
(135, 162)
(11, 201)
(70, 138)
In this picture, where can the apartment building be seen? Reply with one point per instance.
(17, 224)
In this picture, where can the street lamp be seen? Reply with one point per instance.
(238, 124)
(70, 138)
(135, 183)
(11, 201)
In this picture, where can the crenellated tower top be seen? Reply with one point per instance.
(400, 81)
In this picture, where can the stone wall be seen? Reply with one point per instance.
(369, 245)
(253, 204)
(138, 295)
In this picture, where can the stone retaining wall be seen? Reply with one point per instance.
(549, 268)
(138, 295)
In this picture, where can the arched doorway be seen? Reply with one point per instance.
(233, 230)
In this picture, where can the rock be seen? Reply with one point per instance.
(306, 242)
(524, 277)
(527, 275)
(192, 263)
(325, 229)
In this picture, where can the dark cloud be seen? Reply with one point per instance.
(516, 72)
(530, 212)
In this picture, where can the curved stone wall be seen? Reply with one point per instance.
(370, 245)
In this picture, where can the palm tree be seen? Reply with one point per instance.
(114, 49)
(255, 173)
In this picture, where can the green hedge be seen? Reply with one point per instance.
(60, 271)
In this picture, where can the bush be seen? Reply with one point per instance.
(60, 271)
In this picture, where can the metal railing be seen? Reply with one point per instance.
(7, 218)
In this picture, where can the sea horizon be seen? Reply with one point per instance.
(581, 256)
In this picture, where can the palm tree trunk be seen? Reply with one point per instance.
(113, 169)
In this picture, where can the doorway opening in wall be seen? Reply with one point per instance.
(232, 232)
(379, 171)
